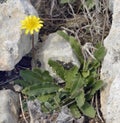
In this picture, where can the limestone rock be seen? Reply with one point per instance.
(64, 116)
(13, 43)
(34, 108)
(56, 48)
(110, 70)
(9, 106)
(113, 107)
(111, 5)
(17, 88)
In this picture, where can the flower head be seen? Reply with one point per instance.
(31, 23)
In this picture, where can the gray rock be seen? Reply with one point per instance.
(13, 43)
(56, 48)
(9, 106)
(64, 116)
(17, 88)
(110, 70)
(111, 5)
(81, 120)
(113, 107)
(34, 108)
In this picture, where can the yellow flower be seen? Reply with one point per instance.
(31, 23)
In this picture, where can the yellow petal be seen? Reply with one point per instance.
(31, 32)
(27, 31)
(37, 30)
(31, 23)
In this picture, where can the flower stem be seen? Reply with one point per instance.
(33, 48)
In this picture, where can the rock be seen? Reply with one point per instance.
(64, 116)
(34, 108)
(81, 120)
(56, 48)
(9, 106)
(111, 5)
(17, 88)
(113, 107)
(13, 43)
(110, 70)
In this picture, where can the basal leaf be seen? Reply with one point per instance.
(75, 111)
(58, 68)
(44, 75)
(64, 35)
(77, 86)
(76, 48)
(69, 76)
(45, 98)
(40, 89)
(29, 76)
(74, 44)
(80, 100)
(21, 82)
(100, 53)
(85, 74)
(48, 106)
(95, 87)
(88, 110)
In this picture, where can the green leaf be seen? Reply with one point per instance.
(85, 73)
(90, 4)
(76, 48)
(88, 110)
(75, 111)
(48, 106)
(45, 98)
(95, 87)
(89, 82)
(100, 53)
(66, 1)
(40, 89)
(29, 76)
(58, 68)
(45, 76)
(80, 100)
(77, 86)
(35, 76)
(74, 44)
(95, 64)
(69, 76)
(21, 82)
(64, 35)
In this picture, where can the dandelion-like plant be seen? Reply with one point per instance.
(31, 24)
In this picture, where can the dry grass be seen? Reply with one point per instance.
(87, 25)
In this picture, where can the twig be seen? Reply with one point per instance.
(88, 13)
(88, 16)
(88, 50)
(72, 10)
(76, 36)
(69, 103)
(52, 6)
(97, 6)
(103, 32)
(71, 31)
(21, 105)
(98, 114)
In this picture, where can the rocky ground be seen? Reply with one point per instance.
(87, 22)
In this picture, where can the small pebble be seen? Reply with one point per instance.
(17, 88)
